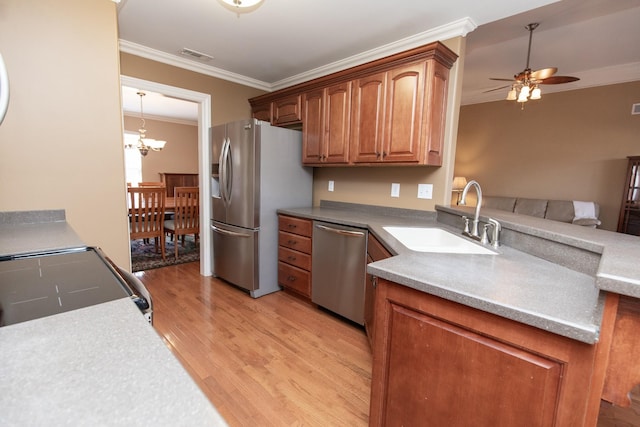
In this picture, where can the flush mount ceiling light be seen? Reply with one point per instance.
(145, 144)
(241, 6)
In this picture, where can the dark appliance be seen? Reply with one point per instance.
(43, 284)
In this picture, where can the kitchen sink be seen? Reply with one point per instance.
(429, 239)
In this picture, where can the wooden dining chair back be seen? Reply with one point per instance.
(146, 215)
(186, 219)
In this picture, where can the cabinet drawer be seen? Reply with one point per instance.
(294, 278)
(375, 249)
(294, 225)
(299, 259)
(293, 241)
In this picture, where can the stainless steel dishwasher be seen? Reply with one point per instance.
(339, 259)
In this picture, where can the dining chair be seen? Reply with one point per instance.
(186, 219)
(151, 184)
(146, 215)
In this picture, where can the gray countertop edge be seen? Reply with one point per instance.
(618, 270)
(586, 300)
(99, 365)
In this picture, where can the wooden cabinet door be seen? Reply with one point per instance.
(403, 108)
(435, 113)
(367, 118)
(313, 128)
(286, 110)
(262, 112)
(337, 112)
(454, 365)
(375, 252)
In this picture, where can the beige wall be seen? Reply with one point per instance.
(229, 101)
(372, 185)
(180, 155)
(569, 145)
(61, 141)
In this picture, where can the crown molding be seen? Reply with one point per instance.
(176, 61)
(459, 28)
(175, 120)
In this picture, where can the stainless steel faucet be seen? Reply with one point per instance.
(463, 201)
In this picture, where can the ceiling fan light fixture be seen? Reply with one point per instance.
(511, 96)
(524, 94)
(536, 93)
(241, 6)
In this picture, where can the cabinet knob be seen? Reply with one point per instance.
(292, 242)
(292, 226)
(291, 258)
(291, 278)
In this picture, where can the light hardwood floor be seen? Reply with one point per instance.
(275, 361)
(272, 361)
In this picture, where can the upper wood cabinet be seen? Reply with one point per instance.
(395, 113)
(367, 118)
(325, 133)
(286, 111)
(262, 112)
(388, 116)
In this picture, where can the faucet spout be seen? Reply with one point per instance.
(463, 201)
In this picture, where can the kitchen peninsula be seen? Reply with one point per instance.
(542, 330)
(99, 365)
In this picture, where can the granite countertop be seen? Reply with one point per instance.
(99, 365)
(512, 284)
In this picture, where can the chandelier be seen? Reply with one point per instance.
(145, 144)
(241, 6)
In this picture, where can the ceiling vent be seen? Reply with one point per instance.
(635, 109)
(195, 54)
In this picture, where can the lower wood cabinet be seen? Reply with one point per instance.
(294, 254)
(440, 363)
(375, 252)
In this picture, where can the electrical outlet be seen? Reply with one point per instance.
(395, 190)
(425, 191)
(330, 186)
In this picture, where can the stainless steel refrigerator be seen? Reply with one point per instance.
(256, 169)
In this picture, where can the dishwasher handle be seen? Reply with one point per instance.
(341, 232)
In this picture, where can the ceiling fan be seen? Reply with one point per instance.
(524, 85)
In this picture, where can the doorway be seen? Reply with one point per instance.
(204, 167)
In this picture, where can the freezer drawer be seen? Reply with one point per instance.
(235, 252)
(339, 269)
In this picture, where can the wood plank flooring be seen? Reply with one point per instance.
(275, 360)
(269, 361)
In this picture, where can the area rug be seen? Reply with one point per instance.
(144, 256)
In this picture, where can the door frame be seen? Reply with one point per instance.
(204, 153)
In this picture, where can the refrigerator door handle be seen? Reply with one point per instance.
(341, 232)
(4, 90)
(227, 232)
(224, 171)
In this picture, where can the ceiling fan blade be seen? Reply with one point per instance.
(498, 88)
(544, 73)
(500, 80)
(556, 80)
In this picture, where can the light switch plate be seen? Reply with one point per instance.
(331, 185)
(425, 191)
(395, 190)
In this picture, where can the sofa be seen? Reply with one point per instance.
(572, 212)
